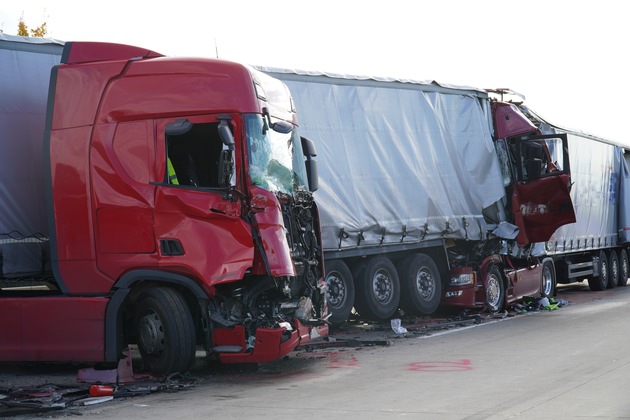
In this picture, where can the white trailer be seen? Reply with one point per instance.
(595, 247)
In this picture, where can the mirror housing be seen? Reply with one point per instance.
(308, 148)
(282, 127)
(225, 134)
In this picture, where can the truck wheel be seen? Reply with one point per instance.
(495, 289)
(624, 267)
(377, 289)
(165, 331)
(421, 285)
(613, 267)
(600, 282)
(340, 294)
(548, 279)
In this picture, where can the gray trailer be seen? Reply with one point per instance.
(24, 243)
(595, 247)
(412, 195)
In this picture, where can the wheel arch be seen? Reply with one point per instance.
(127, 290)
(497, 261)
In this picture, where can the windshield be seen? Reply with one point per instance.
(276, 161)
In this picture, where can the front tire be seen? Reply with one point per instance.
(495, 289)
(165, 331)
(378, 289)
(340, 293)
(548, 287)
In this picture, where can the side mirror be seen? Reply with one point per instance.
(282, 127)
(312, 174)
(225, 134)
(308, 148)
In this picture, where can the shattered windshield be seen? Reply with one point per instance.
(276, 161)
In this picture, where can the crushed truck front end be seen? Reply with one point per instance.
(156, 212)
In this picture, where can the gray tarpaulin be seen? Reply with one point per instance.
(25, 66)
(397, 160)
(624, 203)
(600, 193)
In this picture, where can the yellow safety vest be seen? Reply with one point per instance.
(172, 176)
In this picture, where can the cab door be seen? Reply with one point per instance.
(198, 220)
(540, 200)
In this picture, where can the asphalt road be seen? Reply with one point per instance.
(570, 363)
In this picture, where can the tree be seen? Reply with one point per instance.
(39, 32)
(22, 28)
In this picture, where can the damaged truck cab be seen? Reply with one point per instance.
(536, 176)
(180, 208)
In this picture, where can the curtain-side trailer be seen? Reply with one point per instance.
(595, 247)
(415, 204)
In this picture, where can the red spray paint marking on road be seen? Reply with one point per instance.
(441, 366)
(336, 359)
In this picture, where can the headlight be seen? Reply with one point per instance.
(462, 279)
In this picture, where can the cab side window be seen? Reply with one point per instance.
(193, 156)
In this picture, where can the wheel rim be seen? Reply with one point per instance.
(425, 284)
(493, 292)
(151, 333)
(336, 294)
(547, 281)
(382, 286)
(614, 267)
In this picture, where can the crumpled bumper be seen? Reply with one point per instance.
(270, 343)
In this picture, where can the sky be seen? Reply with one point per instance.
(568, 58)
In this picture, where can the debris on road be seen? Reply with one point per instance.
(397, 327)
(51, 397)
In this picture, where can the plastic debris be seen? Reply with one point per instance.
(95, 400)
(543, 302)
(397, 327)
(49, 397)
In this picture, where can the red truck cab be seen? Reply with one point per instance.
(536, 176)
(181, 214)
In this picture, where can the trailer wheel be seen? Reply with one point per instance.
(421, 285)
(613, 267)
(495, 289)
(624, 267)
(548, 279)
(340, 293)
(377, 289)
(600, 282)
(165, 331)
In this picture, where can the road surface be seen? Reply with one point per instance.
(571, 363)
